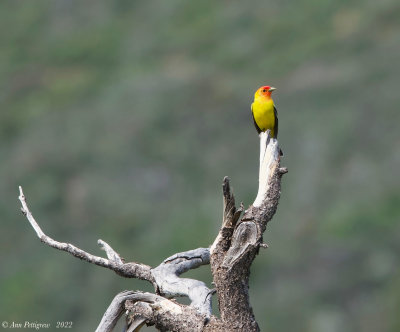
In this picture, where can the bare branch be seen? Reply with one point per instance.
(229, 219)
(112, 255)
(167, 278)
(135, 324)
(164, 277)
(117, 307)
(28, 214)
(114, 311)
(166, 315)
(269, 158)
(128, 270)
(231, 266)
(147, 308)
(164, 312)
(231, 256)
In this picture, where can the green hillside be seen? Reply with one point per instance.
(121, 118)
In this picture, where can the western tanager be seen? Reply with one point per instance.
(264, 112)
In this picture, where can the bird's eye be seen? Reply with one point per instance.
(264, 90)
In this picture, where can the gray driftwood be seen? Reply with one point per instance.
(230, 256)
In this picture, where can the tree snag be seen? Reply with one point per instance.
(230, 256)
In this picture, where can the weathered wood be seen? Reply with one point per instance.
(165, 315)
(116, 309)
(231, 267)
(128, 270)
(147, 308)
(230, 216)
(231, 256)
(169, 284)
(165, 277)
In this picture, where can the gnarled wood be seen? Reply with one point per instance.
(231, 256)
(165, 277)
(170, 285)
(231, 267)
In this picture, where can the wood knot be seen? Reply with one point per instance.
(283, 170)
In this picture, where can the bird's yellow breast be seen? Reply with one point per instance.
(264, 114)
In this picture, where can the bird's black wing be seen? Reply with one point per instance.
(255, 123)
(276, 122)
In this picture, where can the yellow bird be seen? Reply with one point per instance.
(264, 112)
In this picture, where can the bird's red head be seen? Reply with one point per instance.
(265, 90)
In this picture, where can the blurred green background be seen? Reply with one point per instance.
(121, 118)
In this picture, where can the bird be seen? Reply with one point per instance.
(265, 115)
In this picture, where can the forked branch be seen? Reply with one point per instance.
(165, 277)
(114, 261)
(230, 264)
(231, 256)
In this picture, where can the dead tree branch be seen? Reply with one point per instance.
(170, 285)
(115, 262)
(235, 249)
(230, 256)
(165, 315)
(165, 277)
(151, 309)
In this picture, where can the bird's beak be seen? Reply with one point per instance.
(271, 89)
